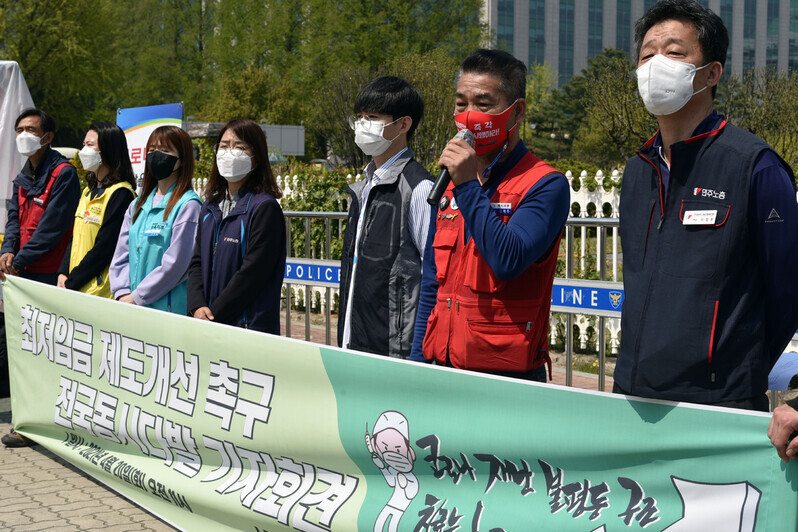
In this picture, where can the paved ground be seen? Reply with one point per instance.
(43, 492)
(40, 491)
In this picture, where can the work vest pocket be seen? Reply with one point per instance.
(695, 248)
(497, 346)
(382, 217)
(478, 275)
(443, 246)
(436, 338)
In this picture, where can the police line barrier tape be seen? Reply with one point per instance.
(217, 428)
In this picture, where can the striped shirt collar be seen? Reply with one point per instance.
(376, 174)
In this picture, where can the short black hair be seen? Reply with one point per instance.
(48, 123)
(713, 37)
(391, 95)
(510, 71)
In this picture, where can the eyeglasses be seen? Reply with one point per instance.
(368, 123)
(228, 147)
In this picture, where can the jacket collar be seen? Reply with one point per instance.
(390, 176)
(241, 207)
(34, 180)
(710, 126)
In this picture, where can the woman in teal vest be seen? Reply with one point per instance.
(101, 210)
(150, 265)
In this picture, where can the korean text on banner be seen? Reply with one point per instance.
(215, 428)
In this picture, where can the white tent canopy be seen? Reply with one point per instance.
(14, 98)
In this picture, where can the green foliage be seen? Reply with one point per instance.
(321, 192)
(70, 68)
(81, 172)
(616, 123)
(765, 103)
(428, 72)
(575, 167)
(203, 166)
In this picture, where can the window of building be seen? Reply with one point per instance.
(595, 28)
(504, 31)
(623, 21)
(537, 28)
(749, 35)
(566, 64)
(772, 56)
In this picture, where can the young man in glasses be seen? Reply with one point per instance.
(388, 222)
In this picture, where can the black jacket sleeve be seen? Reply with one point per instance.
(99, 256)
(11, 238)
(196, 292)
(267, 238)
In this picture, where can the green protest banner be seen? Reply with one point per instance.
(217, 428)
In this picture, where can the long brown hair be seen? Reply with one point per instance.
(179, 140)
(261, 178)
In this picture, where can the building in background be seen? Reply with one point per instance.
(564, 34)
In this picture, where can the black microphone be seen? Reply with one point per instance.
(443, 178)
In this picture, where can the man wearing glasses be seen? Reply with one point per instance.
(388, 222)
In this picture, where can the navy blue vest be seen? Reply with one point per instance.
(693, 325)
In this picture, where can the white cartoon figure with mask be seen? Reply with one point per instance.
(390, 450)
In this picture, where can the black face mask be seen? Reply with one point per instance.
(160, 164)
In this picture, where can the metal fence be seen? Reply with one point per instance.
(320, 256)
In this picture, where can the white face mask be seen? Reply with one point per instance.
(90, 159)
(28, 143)
(368, 136)
(666, 85)
(233, 165)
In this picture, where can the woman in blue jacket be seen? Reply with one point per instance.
(236, 272)
(150, 264)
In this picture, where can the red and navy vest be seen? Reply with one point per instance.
(30, 213)
(480, 322)
(694, 309)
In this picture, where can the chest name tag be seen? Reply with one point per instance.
(699, 217)
(502, 208)
(88, 218)
(155, 229)
(38, 201)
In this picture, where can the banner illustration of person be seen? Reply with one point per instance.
(389, 445)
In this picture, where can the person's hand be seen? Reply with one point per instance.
(61, 280)
(461, 161)
(782, 425)
(127, 298)
(203, 313)
(369, 446)
(6, 268)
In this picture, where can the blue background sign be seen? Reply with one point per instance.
(313, 272)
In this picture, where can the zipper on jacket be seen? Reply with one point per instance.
(712, 340)
(661, 197)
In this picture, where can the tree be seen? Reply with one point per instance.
(539, 81)
(765, 103)
(67, 52)
(427, 72)
(616, 123)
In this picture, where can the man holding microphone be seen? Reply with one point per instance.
(489, 262)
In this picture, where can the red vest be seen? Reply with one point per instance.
(30, 213)
(481, 322)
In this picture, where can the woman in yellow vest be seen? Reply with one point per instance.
(101, 210)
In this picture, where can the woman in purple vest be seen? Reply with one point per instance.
(236, 272)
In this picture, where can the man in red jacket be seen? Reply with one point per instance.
(40, 216)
